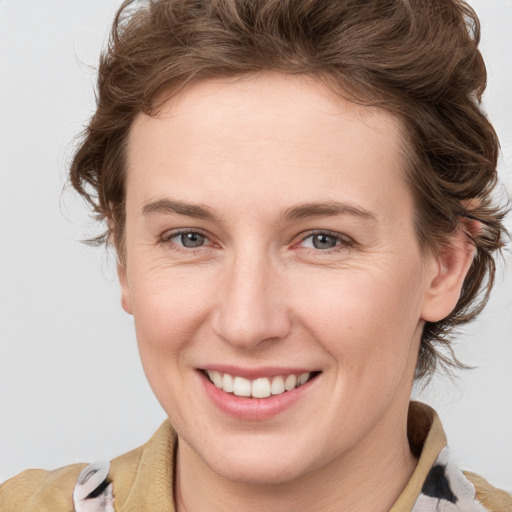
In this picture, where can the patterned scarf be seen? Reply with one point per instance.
(446, 489)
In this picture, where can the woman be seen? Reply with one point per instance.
(300, 197)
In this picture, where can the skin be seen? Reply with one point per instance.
(258, 293)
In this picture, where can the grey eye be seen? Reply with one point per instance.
(323, 241)
(192, 240)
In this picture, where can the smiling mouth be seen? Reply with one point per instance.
(262, 387)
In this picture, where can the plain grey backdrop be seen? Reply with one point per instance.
(71, 385)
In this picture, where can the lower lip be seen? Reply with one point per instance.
(253, 409)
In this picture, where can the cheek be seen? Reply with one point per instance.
(169, 309)
(169, 305)
(365, 319)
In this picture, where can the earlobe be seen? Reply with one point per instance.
(125, 291)
(447, 270)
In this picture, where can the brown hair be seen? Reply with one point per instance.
(416, 58)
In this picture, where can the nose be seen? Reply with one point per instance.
(252, 309)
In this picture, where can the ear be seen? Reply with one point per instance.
(125, 289)
(447, 271)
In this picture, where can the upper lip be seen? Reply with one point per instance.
(255, 373)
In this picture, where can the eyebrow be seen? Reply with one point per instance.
(329, 209)
(178, 208)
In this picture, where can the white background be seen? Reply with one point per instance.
(71, 385)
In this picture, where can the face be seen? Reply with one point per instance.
(270, 252)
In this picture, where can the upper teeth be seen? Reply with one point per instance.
(257, 388)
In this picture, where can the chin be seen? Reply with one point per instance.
(257, 470)
(259, 461)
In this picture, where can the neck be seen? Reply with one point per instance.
(370, 477)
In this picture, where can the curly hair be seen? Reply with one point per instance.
(416, 58)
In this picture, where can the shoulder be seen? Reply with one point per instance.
(493, 499)
(38, 490)
(52, 491)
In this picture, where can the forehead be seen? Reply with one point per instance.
(256, 102)
(248, 135)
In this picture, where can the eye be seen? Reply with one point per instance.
(187, 239)
(325, 241)
(190, 240)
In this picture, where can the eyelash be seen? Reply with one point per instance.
(165, 239)
(344, 241)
